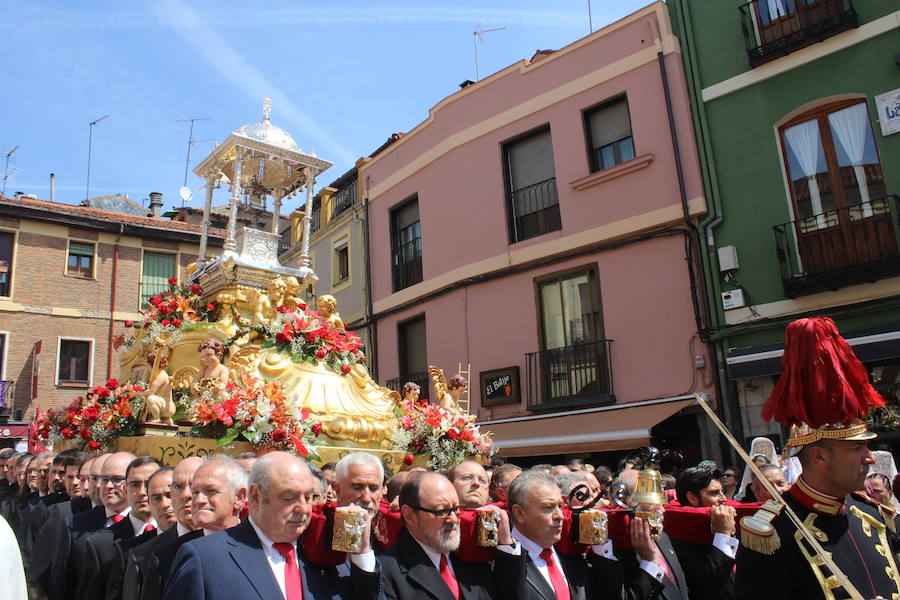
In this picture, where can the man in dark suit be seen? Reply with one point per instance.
(708, 569)
(148, 565)
(101, 551)
(5, 455)
(27, 491)
(536, 502)
(423, 564)
(52, 489)
(652, 569)
(260, 557)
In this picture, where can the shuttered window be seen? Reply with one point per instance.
(157, 268)
(81, 259)
(609, 134)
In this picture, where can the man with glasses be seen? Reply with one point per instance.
(423, 563)
(101, 551)
(148, 565)
(472, 484)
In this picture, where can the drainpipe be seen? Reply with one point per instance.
(112, 303)
(372, 325)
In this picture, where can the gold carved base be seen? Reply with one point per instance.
(157, 429)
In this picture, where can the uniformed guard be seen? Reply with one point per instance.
(823, 394)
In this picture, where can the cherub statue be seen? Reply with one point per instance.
(265, 307)
(411, 392)
(327, 305)
(213, 374)
(227, 319)
(292, 299)
(449, 392)
(158, 404)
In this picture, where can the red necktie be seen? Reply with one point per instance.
(447, 576)
(148, 527)
(560, 587)
(293, 584)
(118, 518)
(663, 564)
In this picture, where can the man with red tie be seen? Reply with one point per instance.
(422, 564)
(261, 557)
(536, 502)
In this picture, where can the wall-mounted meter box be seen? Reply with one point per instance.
(733, 299)
(728, 259)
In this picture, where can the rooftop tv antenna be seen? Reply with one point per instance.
(478, 36)
(191, 142)
(91, 125)
(9, 173)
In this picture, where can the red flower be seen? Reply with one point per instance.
(66, 433)
(129, 323)
(173, 281)
(452, 434)
(93, 445)
(408, 460)
(112, 383)
(176, 322)
(299, 446)
(285, 335)
(85, 434)
(210, 306)
(278, 436)
(317, 428)
(195, 289)
(310, 338)
(165, 322)
(320, 354)
(155, 300)
(282, 308)
(467, 436)
(90, 413)
(345, 368)
(138, 388)
(301, 305)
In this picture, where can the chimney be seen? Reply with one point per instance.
(52, 187)
(156, 203)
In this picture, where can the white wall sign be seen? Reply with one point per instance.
(888, 105)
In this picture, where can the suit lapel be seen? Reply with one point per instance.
(421, 570)
(536, 580)
(247, 552)
(665, 546)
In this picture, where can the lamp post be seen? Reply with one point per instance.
(87, 190)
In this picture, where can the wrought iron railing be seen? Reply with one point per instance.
(343, 199)
(285, 243)
(407, 263)
(316, 222)
(7, 393)
(534, 210)
(774, 28)
(569, 376)
(839, 248)
(420, 378)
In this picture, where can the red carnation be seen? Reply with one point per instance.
(210, 306)
(85, 434)
(176, 322)
(66, 433)
(317, 428)
(452, 434)
(408, 459)
(154, 300)
(129, 323)
(278, 436)
(320, 354)
(165, 322)
(345, 368)
(112, 383)
(93, 445)
(173, 281)
(90, 413)
(282, 308)
(310, 338)
(195, 289)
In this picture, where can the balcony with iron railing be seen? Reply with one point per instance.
(571, 376)
(407, 264)
(316, 222)
(775, 28)
(420, 378)
(285, 243)
(343, 200)
(534, 210)
(856, 244)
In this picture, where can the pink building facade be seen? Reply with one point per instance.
(533, 227)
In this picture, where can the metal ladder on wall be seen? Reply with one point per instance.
(464, 400)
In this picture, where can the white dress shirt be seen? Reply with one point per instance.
(140, 525)
(534, 551)
(181, 529)
(434, 557)
(111, 513)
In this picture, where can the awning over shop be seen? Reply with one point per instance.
(764, 361)
(600, 429)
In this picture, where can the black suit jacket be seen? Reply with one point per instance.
(31, 526)
(124, 548)
(589, 576)
(45, 544)
(149, 565)
(66, 562)
(709, 572)
(98, 556)
(408, 574)
(639, 585)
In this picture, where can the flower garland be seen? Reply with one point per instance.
(427, 429)
(95, 419)
(257, 411)
(307, 336)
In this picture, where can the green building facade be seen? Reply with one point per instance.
(796, 107)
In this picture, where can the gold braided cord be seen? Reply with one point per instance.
(832, 434)
(776, 496)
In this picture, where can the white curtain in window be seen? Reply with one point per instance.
(777, 8)
(851, 125)
(803, 141)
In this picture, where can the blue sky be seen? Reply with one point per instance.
(343, 76)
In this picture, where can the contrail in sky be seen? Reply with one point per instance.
(232, 65)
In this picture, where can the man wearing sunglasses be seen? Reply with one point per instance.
(423, 565)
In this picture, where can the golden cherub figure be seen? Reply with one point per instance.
(212, 374)
(158, 404)
(327, 306)
(448, 392)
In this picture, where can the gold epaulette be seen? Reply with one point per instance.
(887, 512)
(757, 532)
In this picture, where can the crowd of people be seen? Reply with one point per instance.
(124, 526)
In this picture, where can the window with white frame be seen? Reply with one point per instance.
(156, 270)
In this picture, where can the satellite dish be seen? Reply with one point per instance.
(186, 194)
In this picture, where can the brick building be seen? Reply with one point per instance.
(73, 275)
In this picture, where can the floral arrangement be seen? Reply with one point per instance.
(427, 429)
(95, 419)
(256, 411)
(306, 335)
(177, 306)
